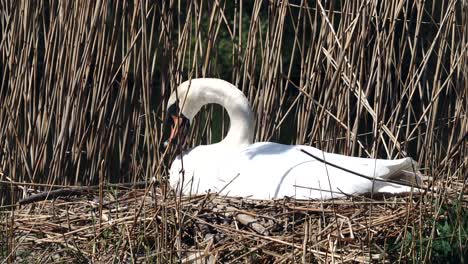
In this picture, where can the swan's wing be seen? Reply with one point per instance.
(404, 169)
(283, 170)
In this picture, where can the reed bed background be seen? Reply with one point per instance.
(82, 99)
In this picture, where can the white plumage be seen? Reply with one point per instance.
(266, 170)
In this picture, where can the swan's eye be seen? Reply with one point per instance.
(172, 111)
(169, 121)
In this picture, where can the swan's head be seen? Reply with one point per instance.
(182, 106)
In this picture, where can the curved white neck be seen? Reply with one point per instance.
(216, 91)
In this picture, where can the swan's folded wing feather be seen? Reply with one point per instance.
(270, 170)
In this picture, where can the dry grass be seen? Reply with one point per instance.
(211, 228)
(83, 89)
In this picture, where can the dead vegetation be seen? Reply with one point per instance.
(127, 224)
(83, 91)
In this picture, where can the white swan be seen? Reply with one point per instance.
(236, 167)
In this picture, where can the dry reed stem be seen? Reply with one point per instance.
(218, 226)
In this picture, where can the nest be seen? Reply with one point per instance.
(142, 225)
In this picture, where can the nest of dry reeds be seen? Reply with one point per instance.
(143, 225)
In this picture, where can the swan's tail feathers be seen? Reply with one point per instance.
(405, 171)
(396, 188)
(407, 177)
(399, 164)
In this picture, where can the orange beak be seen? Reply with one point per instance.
(179, 129)
(177, 121)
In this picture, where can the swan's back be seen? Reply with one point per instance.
(268, 170)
